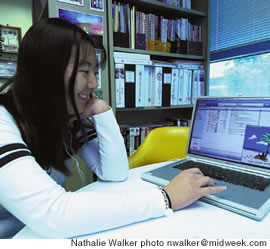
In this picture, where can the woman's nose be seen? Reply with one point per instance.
(92, 81)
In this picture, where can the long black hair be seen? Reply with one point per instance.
(35, 96)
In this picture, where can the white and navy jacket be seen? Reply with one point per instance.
(30, 196)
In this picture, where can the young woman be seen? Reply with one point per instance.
(48, 113)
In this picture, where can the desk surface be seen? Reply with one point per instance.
(198, 221)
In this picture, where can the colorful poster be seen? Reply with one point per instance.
(92, 24)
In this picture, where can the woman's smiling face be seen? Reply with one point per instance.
(85, 81)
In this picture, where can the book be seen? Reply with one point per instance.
(175, 121)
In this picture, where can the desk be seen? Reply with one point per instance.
(197, 221)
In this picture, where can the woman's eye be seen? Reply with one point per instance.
(84, 71)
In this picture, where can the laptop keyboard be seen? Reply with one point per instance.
(227, 175)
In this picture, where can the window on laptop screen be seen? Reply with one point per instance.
(234, 129)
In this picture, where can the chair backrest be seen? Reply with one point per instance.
(160, 145)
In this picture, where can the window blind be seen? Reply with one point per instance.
(235, 24)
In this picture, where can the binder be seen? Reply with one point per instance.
(139, 82)
(157, 86)
(147, 85)
(174, 87)
(166, 85)
(132, 58)
(130, 70)
(187, 86)
(195, 85)
(201, 83)
(180, 86)
(120, 85)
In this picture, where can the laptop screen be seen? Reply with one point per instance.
(233, 129)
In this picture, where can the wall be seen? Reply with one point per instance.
(16, 13)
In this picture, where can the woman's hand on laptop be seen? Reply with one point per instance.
(189, 186)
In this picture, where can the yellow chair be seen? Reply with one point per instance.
(160, 145)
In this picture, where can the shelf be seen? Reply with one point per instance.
(154, 108)
(168, 9)
(156, 53)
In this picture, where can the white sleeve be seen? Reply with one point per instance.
(106, 155)
(31, 195)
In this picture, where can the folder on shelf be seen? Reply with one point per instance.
(201, 88)
(180, 86)
(130, 75)
(121, 26)
(187, 77)
(139, 85)
(147, 85)
(157, 86)
(132, 58)
(166, 85)
(120, 85)
(195, 85)
(174, 87)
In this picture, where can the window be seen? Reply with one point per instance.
(240, 48)
(244, 76)
(240, 23)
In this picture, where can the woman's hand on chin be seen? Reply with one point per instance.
(94, 106)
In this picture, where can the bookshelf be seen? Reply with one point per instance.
(198, 15)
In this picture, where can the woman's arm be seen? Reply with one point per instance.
(106, 155)
(30, 194)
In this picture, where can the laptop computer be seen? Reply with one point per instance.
(232, 136)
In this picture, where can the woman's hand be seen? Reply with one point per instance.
(189, 186)
(94, 106)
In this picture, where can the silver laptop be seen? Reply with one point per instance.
(230, 139)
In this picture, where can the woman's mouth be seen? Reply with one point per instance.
(84, 96)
